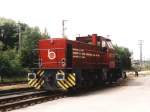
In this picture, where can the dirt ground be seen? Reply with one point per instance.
(132, 95)
(16, 86)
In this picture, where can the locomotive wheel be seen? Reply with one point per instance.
(97, 80)
(104, 74)
(110, 78)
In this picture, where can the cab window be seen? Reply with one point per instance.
(109, 44)
(103, 44)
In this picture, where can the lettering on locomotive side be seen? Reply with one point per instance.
(81, 53)
(78, 53)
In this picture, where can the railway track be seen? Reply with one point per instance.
(16, 91)
(22, 100)
(12, 83)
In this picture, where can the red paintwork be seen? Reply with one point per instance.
(85, 56)
(56, 45)
(94, 39)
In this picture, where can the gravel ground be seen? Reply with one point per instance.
(130, 96)
(16, 86)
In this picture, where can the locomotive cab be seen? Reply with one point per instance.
(105, 47)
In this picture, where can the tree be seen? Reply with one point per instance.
(13, 62)
(8, 33)
(125, 56)
(30, 41)
(10, 63)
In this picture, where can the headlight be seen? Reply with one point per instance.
(60, 76)
(63, 62)
(31, 76)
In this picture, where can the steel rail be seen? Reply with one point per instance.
(15, 102)
(16, 91)
(22, 96)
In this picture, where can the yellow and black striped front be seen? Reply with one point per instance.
(38, 81)
(68, 82)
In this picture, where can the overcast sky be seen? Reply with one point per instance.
(126, 21)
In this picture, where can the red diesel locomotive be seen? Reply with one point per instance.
(66, 64)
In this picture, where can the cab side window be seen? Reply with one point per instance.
(104, 46)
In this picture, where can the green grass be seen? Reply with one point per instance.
(14, 79)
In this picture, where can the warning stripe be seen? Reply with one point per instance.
(70, 80)
(40, 85)
(68, 83)
(73, 74)
(38, 80)
(30, 81)
(39, 71)
(34, 80)
(72, 77)
(60, 84)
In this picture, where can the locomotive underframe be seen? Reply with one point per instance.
(68, 79)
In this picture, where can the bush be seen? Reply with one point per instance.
(10, 65)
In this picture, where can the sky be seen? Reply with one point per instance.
(125, 21)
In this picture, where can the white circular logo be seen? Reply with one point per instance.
(51, 55)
